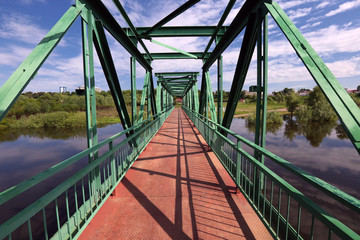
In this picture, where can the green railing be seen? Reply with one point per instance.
(82, 194)
(267, 192)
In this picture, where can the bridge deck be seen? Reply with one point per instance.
(176, 190)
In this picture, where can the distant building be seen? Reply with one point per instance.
(81, 90)
(304, 93)
(352, 91)
(62, 89)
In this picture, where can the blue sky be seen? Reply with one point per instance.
(332, 27)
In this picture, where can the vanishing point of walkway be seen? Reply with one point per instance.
(176, 190)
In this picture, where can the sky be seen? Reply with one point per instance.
(332, 28)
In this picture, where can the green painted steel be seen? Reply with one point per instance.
(175, 55)
(120, 157)
(179, 31)
(171, 16)
(95, 182)
(17, 82)
(247, 49)
(220, 97)
(133, 90)
(102, 13)
(109, 69)
(347, 111)
(173, 48)
(238, 24)
(133, 29)
(218, 27)
(245, 176)
(143, 96)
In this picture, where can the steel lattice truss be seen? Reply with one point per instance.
(252, 17)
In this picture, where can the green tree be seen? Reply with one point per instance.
(292, 102)
(317, 108)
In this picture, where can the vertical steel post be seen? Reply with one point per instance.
(149, 97)
(133, 90)
(220, 89)
(158, 97)
(89, 81)
(90, 100)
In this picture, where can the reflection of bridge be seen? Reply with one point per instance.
(177, 188)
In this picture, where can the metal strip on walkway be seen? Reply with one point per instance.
(176, 190)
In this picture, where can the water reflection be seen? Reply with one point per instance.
(10, 135)
(314, 132)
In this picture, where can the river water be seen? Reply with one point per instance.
(323, 150)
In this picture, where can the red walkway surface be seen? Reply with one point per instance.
(176, 190)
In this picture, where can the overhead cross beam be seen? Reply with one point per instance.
(177, 83)
(234, 29)
(178, 31)
(171, 16)
(102, 13)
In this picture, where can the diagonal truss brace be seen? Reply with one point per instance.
(17, 82)
(246, 52)
(108, 66)
(347, 111)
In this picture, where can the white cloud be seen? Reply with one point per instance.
(21, 28)
(13, 55)
(344, 7)
(298, 13)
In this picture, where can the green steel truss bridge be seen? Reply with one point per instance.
(94, 183)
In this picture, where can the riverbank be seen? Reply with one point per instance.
(60, 120)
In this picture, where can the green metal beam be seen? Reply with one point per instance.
(89, 84)
(152, 95)
(221, 22)
(143, 96)
(237, 25)
(133, 29)
(103, 14)
(242, 67)
(133, 90)
(174, 49)
(210, 96)
(175, 55)
(220, 89)
(179, 31)
(109, 69)
(347, 111)
(17, 82)
(171, 16)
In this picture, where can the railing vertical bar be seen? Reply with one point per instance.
(9, 237)
(271, 201)
(90, 194)
(84, 201)
(76, 207)
(57, 218)
(29, 229)
(287, 217)
(254, 184)
(329, 236)
(45, 224)
(312, 227)
(67, 213)
(264, 196)
(298, 223)
(279, 213)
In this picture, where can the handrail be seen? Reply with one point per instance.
(100, 176)
(13, 191)
(252, 182)
(345, 198)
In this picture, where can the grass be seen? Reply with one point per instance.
(249, 108)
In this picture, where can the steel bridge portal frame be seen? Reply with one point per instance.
(252, 17)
